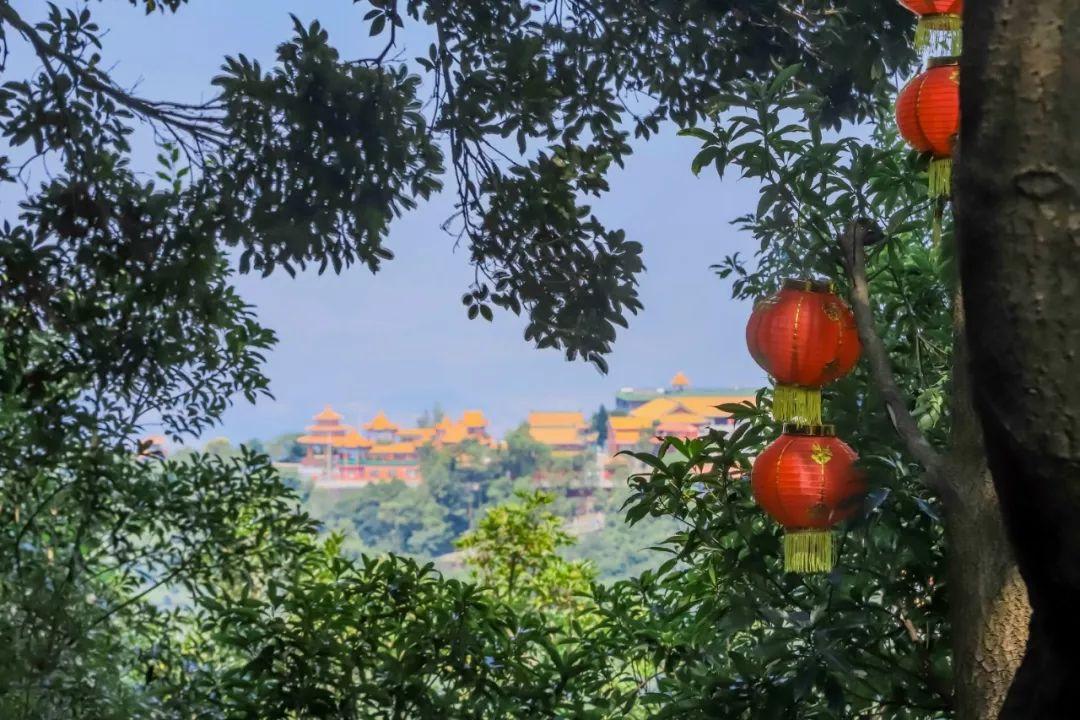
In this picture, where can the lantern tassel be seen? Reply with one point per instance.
(809, 551)
(796, 405)
(945, 29)
(940, 177)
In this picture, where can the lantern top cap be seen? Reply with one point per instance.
(810, 430)
(942, 61)
(810, 285)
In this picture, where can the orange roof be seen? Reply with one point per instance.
(680, 380)
(352, 439)
(419, 435)
(557, 436)
(344, 436)
(454, 434)
(327, 429)
(380, 423)
(628, 422)
(444, 424)
(327, 414)
(473, 419)
(401, 448)
(655, 409)
(556, 419)
(626, 437)
(681, 417)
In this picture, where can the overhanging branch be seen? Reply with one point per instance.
(851, 241)
(194, 120)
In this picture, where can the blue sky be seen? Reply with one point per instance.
(399, 340)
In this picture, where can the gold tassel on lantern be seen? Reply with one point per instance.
(943, 28)
(792, 404)
(940, 175)
(809, 551)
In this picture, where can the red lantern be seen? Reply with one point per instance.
(804, 337)
(807, 481)
(928, 116)
(937, 19)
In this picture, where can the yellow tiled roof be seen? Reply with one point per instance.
(681, 417)
(401, 448)
(704, 405)
(556, 419)
(680, 380)
(454, 434)
(626, 437)
(557, 435)
(628, 422)
(336, 429)
(343, 436)
(327, 414)
(380, 423)
(654, 409)
(353, 439)
(474, 419)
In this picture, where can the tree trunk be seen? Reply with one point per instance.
(1018, 213)
(987, 598)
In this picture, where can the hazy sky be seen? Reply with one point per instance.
(400, 340)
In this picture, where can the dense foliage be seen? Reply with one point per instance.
(870, 639)
(308, 161)
(116, 312)
(461, 486)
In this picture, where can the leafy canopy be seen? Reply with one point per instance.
(309, 161)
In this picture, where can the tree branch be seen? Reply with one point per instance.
(851, 241)
(190, 119)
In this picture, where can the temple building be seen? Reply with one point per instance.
(643, 416)
(338, 455)
(629, 399)
(382, 450)
(566, 433)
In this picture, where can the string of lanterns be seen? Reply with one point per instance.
(928, 117)
(928, 108)
(805, 335)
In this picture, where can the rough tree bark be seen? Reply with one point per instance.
(1018, 214)
(989, 610)
(988, 603)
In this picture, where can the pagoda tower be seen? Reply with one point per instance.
(381, 429)
(334, 450)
